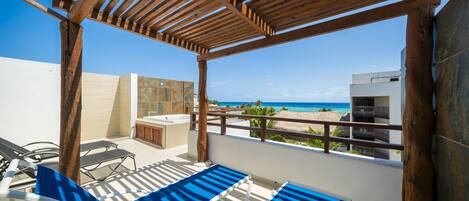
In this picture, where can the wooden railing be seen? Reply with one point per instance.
(326, 137)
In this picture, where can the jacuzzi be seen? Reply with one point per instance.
(172, 118)
(164, 131)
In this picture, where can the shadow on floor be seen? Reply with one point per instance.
(152, 177)
(147, 178)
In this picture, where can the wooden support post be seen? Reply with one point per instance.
(202, 141)
(418, 122)
(223, 125)
(263, 127)
(70, 110)
(193, 121)
(326, 138)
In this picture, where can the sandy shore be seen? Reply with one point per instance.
(326, 116)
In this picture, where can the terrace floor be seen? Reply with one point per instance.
(157, 168)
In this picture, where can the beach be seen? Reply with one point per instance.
(341, 108)
(323, 116)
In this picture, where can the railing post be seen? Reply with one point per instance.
(326, 138)
(263, 129)
(192, 121)
(223, 125)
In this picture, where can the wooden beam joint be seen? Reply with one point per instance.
(248, 15)
(81, 9)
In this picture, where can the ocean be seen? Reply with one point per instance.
(298, 106)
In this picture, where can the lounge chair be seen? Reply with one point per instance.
(51, 150)
(88, 162)
(210, 184)
(290, 192)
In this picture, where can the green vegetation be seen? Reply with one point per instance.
(261, 111)
(258, 109)
(319, 143)
(284, 109)
(353, 152)
(277, 138)
(213, 102)
(325, 109)
(258, 103)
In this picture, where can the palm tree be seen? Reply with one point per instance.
(260, 111)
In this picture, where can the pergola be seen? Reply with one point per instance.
(218, 28)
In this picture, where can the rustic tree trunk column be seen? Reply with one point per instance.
(70, 110)
(202, 141)
(418, 122)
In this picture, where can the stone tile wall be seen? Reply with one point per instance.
(452, 102)
(159, 96)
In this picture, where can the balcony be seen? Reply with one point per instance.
(270, 163)
(371, 111)
(372, 134)
(321, 168)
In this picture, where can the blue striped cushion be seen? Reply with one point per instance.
(292, 192)
(53, 184)
(204, 185)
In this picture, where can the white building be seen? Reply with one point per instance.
(376, 98)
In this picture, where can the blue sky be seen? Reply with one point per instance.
(317, 69)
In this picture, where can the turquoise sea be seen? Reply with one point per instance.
(298, 106)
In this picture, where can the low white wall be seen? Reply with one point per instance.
(128, 104)
(29, 101)
(100, 106)
(353, 177)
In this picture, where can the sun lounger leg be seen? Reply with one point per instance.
(135, 164)
(248, 194)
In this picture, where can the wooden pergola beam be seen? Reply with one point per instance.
(358, 19)
(45, 9)
(81, 9)
(127, 25)
(248, 15)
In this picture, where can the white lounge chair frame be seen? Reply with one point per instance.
(11, 171)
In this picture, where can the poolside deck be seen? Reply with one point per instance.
(157, 168)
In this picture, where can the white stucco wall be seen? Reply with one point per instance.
(100, 106)
(354, 177)
(128, 104)
(30, 102)
(375, 77)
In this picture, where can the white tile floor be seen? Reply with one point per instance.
(157, 168)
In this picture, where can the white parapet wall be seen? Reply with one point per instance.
(353, 177)
(30, 103)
